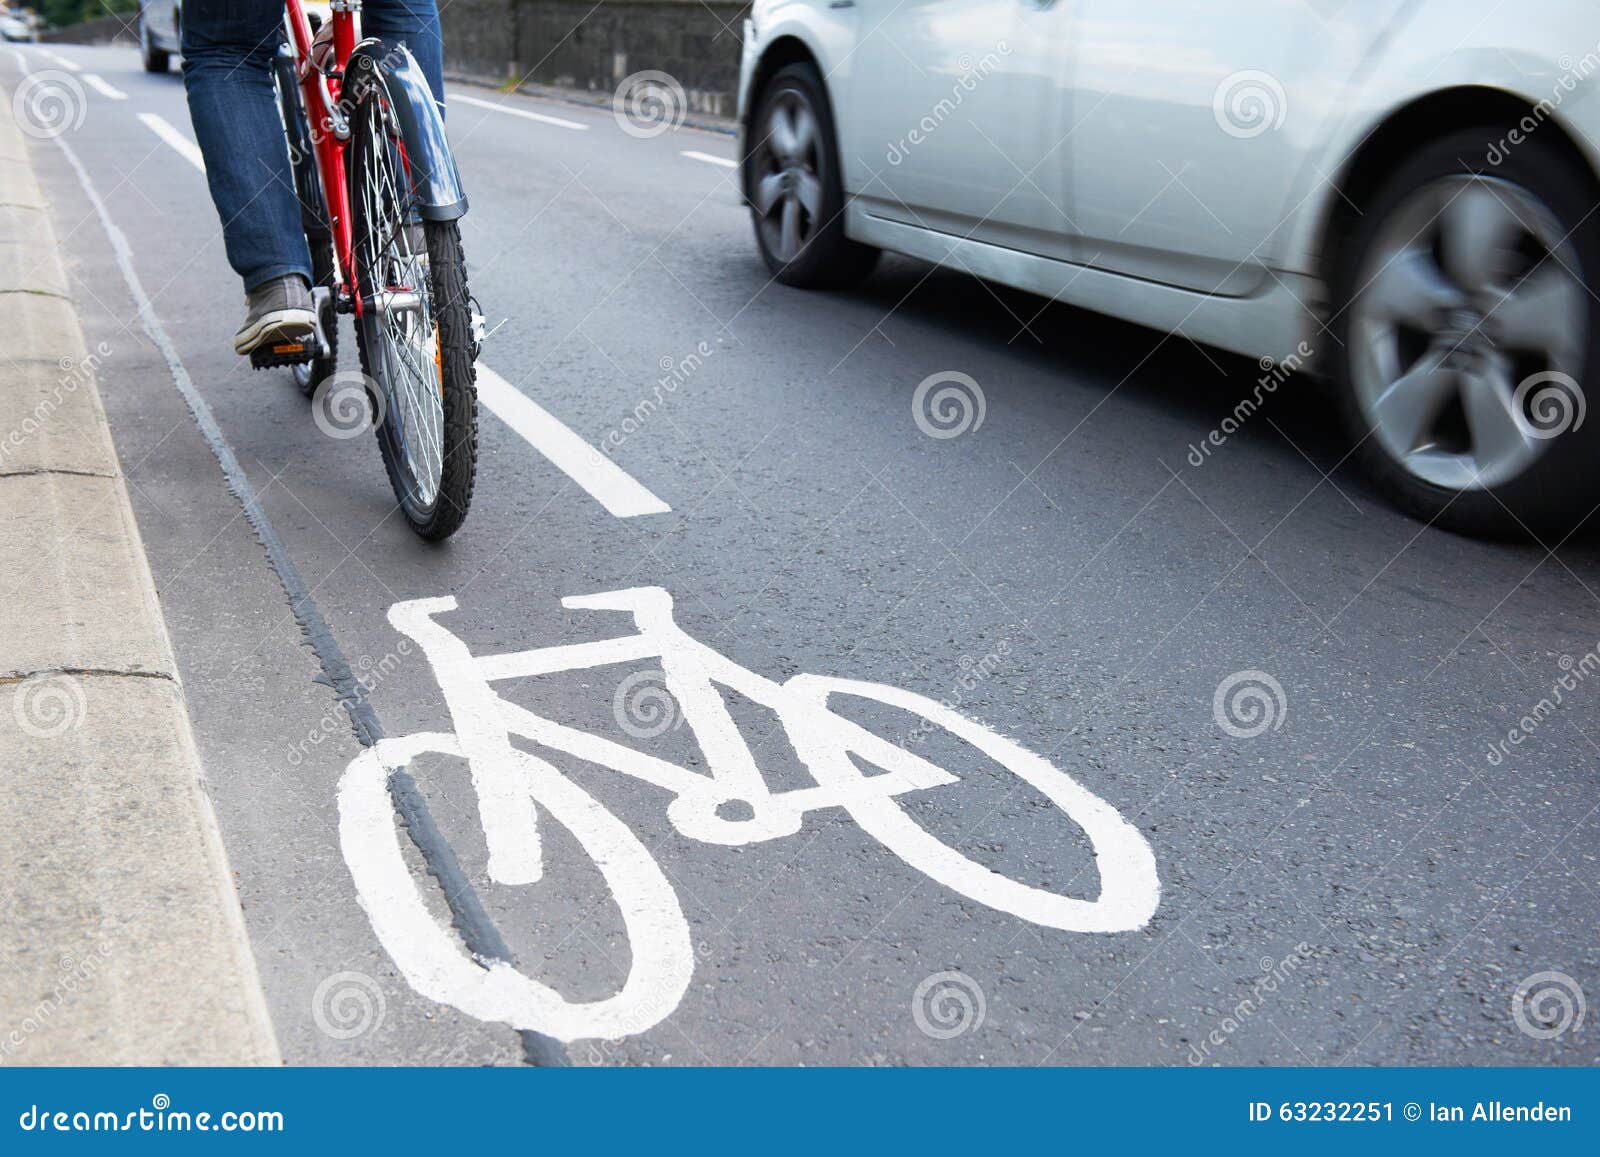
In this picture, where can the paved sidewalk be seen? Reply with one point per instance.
(121, 938)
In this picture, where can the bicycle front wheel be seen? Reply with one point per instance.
(1129, 889)
(413, 329)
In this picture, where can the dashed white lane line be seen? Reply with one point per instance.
(164, 129)
(610, 485)
(61, 60)
(542, 118)
(98, 83)
(697, 155)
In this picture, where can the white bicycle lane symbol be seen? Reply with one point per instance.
(514, 786)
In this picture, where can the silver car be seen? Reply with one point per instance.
(1398, 194)
(159, 35)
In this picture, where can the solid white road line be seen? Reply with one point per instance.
(100, 86)
(697, 155)
(186, 148)
(456, 97)
(612, 487)
(61, 60)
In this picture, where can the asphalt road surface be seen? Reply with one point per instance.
(1354, 864)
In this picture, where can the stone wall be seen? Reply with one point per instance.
(593, 47)
(104, 30)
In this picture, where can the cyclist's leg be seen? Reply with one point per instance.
(414, 23)
(228, 46)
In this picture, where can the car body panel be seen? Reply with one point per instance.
(1235, 258)
(160, 20)
(1192, 133)
(1535, 52)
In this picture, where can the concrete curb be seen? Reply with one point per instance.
(125, 943)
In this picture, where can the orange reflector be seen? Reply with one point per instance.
(298, 347)
(438, 359)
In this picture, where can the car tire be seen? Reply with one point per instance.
(793, 183)
(1466, 334)
(155, 59)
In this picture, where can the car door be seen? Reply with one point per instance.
(953, 115)
(1193, 123)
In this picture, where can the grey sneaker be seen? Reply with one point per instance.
(277, 310)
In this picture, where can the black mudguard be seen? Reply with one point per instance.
(434, 180)
(307, 180)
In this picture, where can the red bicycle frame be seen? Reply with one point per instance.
(330, 134)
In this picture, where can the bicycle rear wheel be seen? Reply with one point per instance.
(413, 328)
(313, 219)
(432, 957)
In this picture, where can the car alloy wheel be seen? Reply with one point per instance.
(1470, 293)
(787, 192)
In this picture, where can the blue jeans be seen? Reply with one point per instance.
(228, 49)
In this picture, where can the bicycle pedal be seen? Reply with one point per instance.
(293, 352)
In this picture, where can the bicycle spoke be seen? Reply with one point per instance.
(393, 265)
